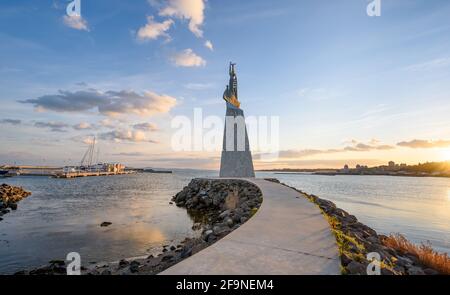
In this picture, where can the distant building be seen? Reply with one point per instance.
(345, 169)
(391, 164)
(100, 167)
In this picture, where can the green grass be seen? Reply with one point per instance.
(347, 244)
(253, 211)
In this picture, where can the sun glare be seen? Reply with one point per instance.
(446, 155)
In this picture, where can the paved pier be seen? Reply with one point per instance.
(288, 235)
(89, 174)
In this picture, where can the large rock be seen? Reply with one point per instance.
(414, 271)
(356, 268)
(10, 196)
(224, 214)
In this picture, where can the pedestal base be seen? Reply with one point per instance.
(236, 163)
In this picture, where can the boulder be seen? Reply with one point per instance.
(345, 260)
(415, 271)
(123, 263)
(356, 268)
(217, 200)
(220, 229)
(206, 234)
(430, 271)
(134, 266)
(403, 261)
(186, 252)
(196, 226)
(224, 214)
(167, 257)
(211, 238)
(387, 272)
(229, 222)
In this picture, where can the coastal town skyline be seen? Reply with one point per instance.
(347, 88)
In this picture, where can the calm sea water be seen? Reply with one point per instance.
(64, 215)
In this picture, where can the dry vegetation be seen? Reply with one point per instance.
(424, 252)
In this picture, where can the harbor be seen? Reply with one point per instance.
(65, 172)
(101, 169)
(89, 166)
(88, 174)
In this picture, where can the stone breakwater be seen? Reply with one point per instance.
(355, 240)
(225, 203)
(9, 197)
(218, 206)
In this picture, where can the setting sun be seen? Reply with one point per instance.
(445, 154)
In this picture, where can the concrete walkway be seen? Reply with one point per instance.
(288, 235)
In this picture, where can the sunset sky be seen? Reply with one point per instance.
(347, 88)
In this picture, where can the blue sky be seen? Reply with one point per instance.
(348, 88)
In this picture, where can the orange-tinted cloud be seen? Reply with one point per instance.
(420, 143)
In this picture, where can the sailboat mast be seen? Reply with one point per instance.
(91, 155)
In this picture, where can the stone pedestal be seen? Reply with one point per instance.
(236, 158)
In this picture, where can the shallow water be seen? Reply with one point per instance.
(64, 215)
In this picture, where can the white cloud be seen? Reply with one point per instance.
(430, 65)
(354, 146)
(107, 123)
(76, 22)
(83, 126)
(130, 102)
(422, 144)
(152, 30)
(187, 58)
(146, 126)
(209, 45)
(53, 126)
(110, 103)
(87, 140)
(192, 10)
(11, 121)
(126, 135)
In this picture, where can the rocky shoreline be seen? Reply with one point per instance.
(217, 206)
(9, 197)
(355, 240)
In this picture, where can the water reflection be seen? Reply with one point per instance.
(65, 215)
